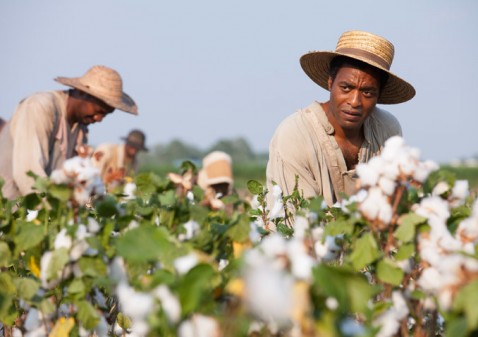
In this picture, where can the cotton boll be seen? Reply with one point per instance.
(33, 320)
(273, 245)
(331, 303)
(59, 177)
(369, 172)
(31, 215)
(192, 229)
(63, 240)
(300, 226)
(440, 188)
(424, 169)
(93, 225)
(78, 249)
(169, 303)
(117, 270)
(134, 304)
(199, 326)
(387, 185)
(301, 262)
(185, 263)
(129, 190)
(269, 294)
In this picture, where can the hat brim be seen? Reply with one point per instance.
(141, 148)
(316, 65)
(125, 104)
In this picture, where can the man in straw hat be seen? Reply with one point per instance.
(116, 161)
(323, 143)
(48, 128)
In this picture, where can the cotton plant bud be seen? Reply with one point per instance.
(389, 321)
(199, 326)
(192, 229)
(31, 215)
(269, 293)
(169, 303)
(134, 304)
(301, 262)
(63, 240)
(467, 230)
(424, 169)
(369, 173)
(376, 206)
(277, 210)
(440, 189)
(329, 250)
(185, 263)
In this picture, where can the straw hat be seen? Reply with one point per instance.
(136, 139)
(366, 47)
(216, 169)
(103, 83)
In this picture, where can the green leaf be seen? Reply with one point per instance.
(87, 315)
(405, 232)
(405, 251)
(76, 287)
(29, 235)
(352, 290)
(5, 254)
(195, 285)
(465, 301)
(389, 272)
(61, 192)
(58, 261)
(255, 187)
(26, 287)
(92, 266)
(106, 207)
(456, 328)
(6, 284)
(31, 201)
(366, 251)
(144, 244)
(168, 198)
(239, 231)
(123, 321)
(338, 227)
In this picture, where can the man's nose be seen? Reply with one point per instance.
(355, 98)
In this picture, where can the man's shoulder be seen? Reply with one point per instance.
(386, 122)
(300, 119)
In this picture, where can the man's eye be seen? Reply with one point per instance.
(345, 88)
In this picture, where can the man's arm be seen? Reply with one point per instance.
(31, 128)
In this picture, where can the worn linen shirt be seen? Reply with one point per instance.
(304, 145)
(111, 158)
(37, 138)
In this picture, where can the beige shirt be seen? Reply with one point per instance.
(110, 159)
(38, 138)
(304, 145)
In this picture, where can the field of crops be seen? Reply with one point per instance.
(157, 257)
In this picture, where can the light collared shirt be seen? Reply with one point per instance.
(304, 145)
(37, 138)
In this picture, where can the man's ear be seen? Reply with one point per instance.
(329, 82)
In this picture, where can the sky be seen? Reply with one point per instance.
(201, 71)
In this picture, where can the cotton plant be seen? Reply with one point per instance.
(80, 173)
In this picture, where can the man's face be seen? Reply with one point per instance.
(92, 110)
(353, 96)
(130, 151)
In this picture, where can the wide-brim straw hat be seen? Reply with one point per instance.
(105, 84)
(217, 169)
(366, 47)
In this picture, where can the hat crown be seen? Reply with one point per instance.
(370, 47)
(136, 137)
(106, 81)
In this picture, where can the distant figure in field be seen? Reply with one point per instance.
(2, 123)
(215, 177)
(49, 127)
(117, 161)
